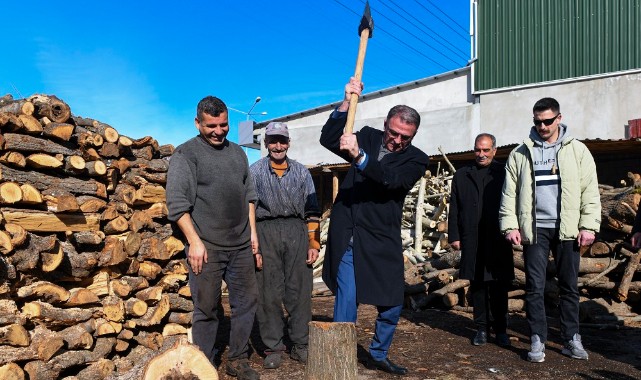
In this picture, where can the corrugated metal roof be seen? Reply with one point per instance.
(535, 41)
(598, 148)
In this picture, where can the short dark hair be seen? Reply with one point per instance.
(546, 104)
(210, 105)
(407, 114)
(488, 135)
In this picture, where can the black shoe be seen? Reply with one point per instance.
(503, 340)
(240, 368)
(480, 338)
(387, 366)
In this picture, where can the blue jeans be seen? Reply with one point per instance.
(345, 308)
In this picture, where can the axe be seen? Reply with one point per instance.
(365, 30)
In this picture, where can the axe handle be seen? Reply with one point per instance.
(358, 74)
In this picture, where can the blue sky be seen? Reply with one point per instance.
(142, 66)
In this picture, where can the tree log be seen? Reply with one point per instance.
(81, 297)
(77, 337)
(12, 371)
(98, 370)
(53, 316)
(154, 314)
(30, 194)
(10, 193)
(633, 263)
(45, 291)
(43, 181)
(15, 159)
(26, 143)
(184, 361)
(42, 221)
(14, 335)
(51, 107)
(332, 352)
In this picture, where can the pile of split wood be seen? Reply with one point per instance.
(90, 278)
(609, 280)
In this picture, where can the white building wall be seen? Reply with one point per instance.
(450, 118)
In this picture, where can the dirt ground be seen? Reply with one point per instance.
(435, 344)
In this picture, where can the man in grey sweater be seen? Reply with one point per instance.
(211, 197)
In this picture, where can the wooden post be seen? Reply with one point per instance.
(334, 186)
(332, 351)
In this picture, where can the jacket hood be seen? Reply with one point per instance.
(538, 141)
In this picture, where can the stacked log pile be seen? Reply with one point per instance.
(90, 274)
(609, 280)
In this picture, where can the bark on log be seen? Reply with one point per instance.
(17, 107)
(77, 337)
(43, 181)
(332, 351)
(26, 143)
(98, 370)
(15, 159)
(14, 335)
(633, 263)
(81, 297)
(11, 371)
(55, 317)
(42, 221)
(39, 370)
(51, 107)
(45, 291)
(60, 131)
(182, 361)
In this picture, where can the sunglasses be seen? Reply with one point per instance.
(547, 122)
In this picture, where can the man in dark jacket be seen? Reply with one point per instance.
(486, 257)
(364, 259)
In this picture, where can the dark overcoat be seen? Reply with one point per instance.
(368, 207)
(474, 220)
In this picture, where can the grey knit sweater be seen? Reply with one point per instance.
(213, 184)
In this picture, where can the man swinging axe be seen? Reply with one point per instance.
(364, 257)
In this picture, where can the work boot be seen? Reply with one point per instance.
(537, 350)
(273, 360)
(240, 368)
(299, 353)
(480, 338)
(574, 348)
(503, 340)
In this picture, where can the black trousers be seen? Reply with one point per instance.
(567, 258)
(285, 280)
(490, 297)
(237, 268)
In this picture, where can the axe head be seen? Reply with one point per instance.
(366, 22)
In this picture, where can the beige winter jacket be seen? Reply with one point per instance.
(580, 199)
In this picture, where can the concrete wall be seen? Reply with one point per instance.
(451, 117)
(591, 108)
(448, 118)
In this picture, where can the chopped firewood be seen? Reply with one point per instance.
(60, 131)
(51, 107)
(119, 288)
(97, 370)
(60, 200)
(113, 308)
(166, 150)
(74, 164)
(96, 168)
(152, 340)
(53, 316)
(88, 237)
(180, 318)
(10, 193)
(132, 243)
(154, 314)
(45, 291)
(182, 361)
(18, 234)
(29, 125)
(102, 348)
(12, 371)
(171, 329)
(136, 307)
(30, 195)
(139, 220)
(77, 337)
(51, 260)
(112, 253)
(150, 295)
(157, 210)
(43, 161)
(6, 245)
(42, 181)
(176, 267)
(80, 297)
(15, 159)
(90, 204)
(14, 335)
(149, 270)
(178, 303)
(116, 226)
(185, 291)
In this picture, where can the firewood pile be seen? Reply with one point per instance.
(609, 288)
(90, 278)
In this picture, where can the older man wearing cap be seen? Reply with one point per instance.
(287, 215)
